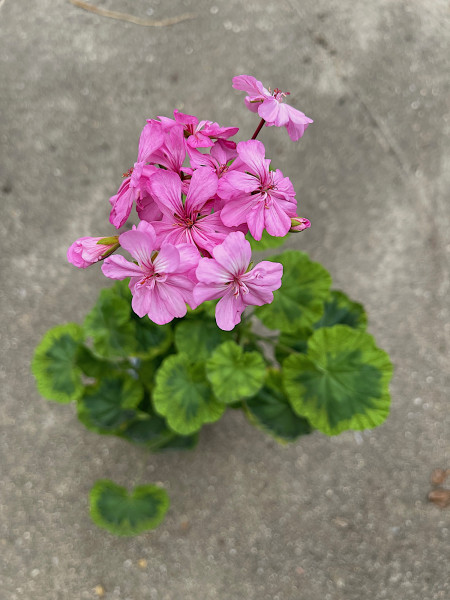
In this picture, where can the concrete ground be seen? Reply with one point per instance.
(325, 518)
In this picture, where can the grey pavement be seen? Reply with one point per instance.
(343, 518)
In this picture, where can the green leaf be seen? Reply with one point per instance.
(299, 301)
(198, 338)
(108, 405)
(183, 395)
(92, 365)
(151, 339)
(342, 382)
(110, 326)
(266, 242)
(296, 341)
(235, 374)
(54, 364)
(152, 432)
(271, 411)
(340, 310)
(121, 513)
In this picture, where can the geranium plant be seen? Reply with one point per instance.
(193, 325)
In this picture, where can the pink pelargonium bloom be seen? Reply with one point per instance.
(261, 198)
(227, 276)
(200, 134)
(86, 251)
(190, 221)
(162, 280)
(270, 106)
(133, 188)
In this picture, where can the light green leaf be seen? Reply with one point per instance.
(110, 326)
(121, 513)
(271, 411)
(54, 364)
(340, 310)
(199, 338)
(235, 374)
(266, 242)
(299, 301)
(183, 395)
(341, 382)
(108, 405)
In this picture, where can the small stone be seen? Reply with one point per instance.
(142, 563)
(440, 497)
(99, 591)
(438, 476)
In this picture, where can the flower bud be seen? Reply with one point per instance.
(299, 224)
(86, 251)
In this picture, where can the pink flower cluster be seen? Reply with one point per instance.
(197, 193)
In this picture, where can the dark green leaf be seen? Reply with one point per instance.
(288, 343)
(121, 513)
(340, 310)
(299, 301)
(271, 411)
(54, 364)
(198, 338)
(108, 405)
(341, 382)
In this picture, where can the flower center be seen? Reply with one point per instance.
(238, 287)
(128, 173)
(279, 95)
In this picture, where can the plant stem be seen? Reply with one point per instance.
(258, 129)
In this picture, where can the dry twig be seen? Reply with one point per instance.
(112, 14)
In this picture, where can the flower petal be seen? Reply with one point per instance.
(252, 152)
(203, 186)
(165, 187)
(118, 267)
(229, 310)
(140, 244)
(234, 254)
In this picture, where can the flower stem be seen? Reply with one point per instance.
(258, 129)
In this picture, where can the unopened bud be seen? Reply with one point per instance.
(299, 224)
(86, 251)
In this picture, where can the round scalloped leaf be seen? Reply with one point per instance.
(107, 406)
(340, 310)
(183, 395)
(235, 374)
(341, 383)
(199, 338)
(299, 301)
(271, 411)
(266, 242)
(54, 364)
(110, 326)
(121, 513)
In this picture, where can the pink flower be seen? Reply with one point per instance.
(133, 188)
(86, 251)
(190, 221)
(270, 106)
(261, 198)
(198, 134)
(161, 281)
(226, 276)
